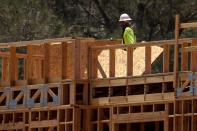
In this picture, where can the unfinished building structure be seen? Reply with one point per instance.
(85, 84)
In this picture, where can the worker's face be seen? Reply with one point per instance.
(123, 24)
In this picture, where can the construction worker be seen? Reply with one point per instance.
(128, 36)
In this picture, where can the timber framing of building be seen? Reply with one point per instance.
(61, 85)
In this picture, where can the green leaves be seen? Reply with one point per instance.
(39, 19)
(26, 20)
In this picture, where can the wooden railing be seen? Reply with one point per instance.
(178, 26)
(42, 61)
(106, 67)
(46, 61)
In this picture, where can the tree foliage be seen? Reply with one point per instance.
(38, 19)
(27, 20)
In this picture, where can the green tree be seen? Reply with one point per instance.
(38, 19)
(27, 20)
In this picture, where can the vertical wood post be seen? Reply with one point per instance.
(87, 120)
(148, 59)
(94, 70)
(5, 74)
(194, 57)
(175, 83)
(192, 119)
(72, 93)
(29, 63)
(77, 119)
(77, 59)
(16, 68)
(64, 60)
(12, 65)
(157, 124)
(85, 93)
(89, 63)
(166, 58)
(184, 58)
(112, 62)
(128, 127)
(46, 62)
(115, 127)
(142, 127)
(166, 121)
(110, 119)
(130, 61)
(90, 74)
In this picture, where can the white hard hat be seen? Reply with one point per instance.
(124, 17)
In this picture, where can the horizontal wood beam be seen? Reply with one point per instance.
(191, 48)
(39, 42)
(150, 43)
(188, 25)
(21, 55)
(35, 42)
(4, 54)
(47, 123)
(139, 117)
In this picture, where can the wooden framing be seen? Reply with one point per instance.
(148, 88)
(175, 84)
(54, 85)
(109, 117)
(143, 113)
(166, 58)
(94, 51)
(54, 118)
(65, 93)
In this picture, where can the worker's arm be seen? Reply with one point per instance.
(129, 37)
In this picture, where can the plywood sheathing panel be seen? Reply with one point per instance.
(12, 64)
(121, 60)
(37, 61)
(70, 62)
(5, 73)
(55, 60)
(83, 59)
(64, 60)
(84, 45)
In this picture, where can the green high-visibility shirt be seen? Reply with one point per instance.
(129, 36)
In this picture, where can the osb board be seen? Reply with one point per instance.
(37, 63)
(83, 59)
(55, 60)
(38, 49)
(5, 69)
(84, 45)
(69, 67)
(37, 71)
(64, 60)
(121, 61)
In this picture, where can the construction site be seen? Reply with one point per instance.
(84, 84)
